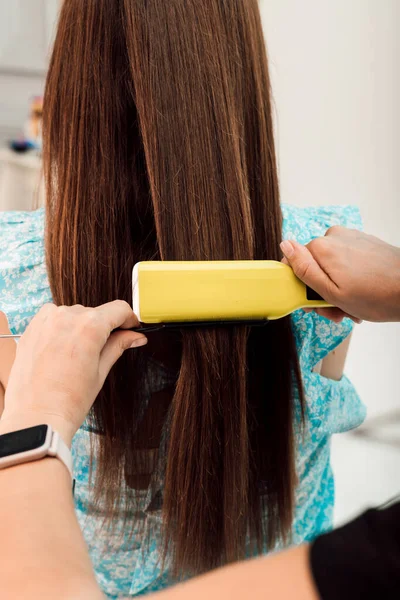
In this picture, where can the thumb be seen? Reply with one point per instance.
(308, 270)
(115, 346)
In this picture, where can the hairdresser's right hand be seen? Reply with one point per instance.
(62, 361)
(358, 273)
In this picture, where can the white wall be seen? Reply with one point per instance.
(26, 30)
(335, 68)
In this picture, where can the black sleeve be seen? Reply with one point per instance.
(361, 559)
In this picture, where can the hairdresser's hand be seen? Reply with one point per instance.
(62, 361)
(356, 272)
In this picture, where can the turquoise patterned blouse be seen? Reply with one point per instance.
(123, 567)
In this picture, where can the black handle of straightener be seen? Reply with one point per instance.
(312, 295)
(148, 328)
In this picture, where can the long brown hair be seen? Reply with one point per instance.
(158, 143)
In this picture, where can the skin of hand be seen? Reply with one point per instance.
(61, 364)
(356, 272)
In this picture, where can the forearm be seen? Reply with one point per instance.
(43, 554)
(284, 576)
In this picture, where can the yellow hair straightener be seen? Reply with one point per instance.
(200, 293)
(178, 294)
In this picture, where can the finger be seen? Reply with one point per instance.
(308, 270)
(117, 314)
(285, 261)
(116, 345)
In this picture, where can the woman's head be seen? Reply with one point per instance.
(158, 143)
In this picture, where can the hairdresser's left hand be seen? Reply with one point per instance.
(62, 361)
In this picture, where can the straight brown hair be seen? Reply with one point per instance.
(158, 144)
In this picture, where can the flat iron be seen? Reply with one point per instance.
(176, 294)
(180, 294)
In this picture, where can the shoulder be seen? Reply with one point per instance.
(304, 224)
(24, 286)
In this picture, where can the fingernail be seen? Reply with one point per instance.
(139, 342)
(287, 248)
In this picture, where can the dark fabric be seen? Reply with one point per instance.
(360, 560)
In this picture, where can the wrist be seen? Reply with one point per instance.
(14, 421)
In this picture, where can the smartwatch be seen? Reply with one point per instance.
(33, 443)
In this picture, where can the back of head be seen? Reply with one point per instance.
(158, 143)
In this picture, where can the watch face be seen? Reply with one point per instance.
(23, 440)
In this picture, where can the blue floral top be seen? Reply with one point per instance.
(123, 567)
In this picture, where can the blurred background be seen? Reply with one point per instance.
(336, 86)
(26, 32)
